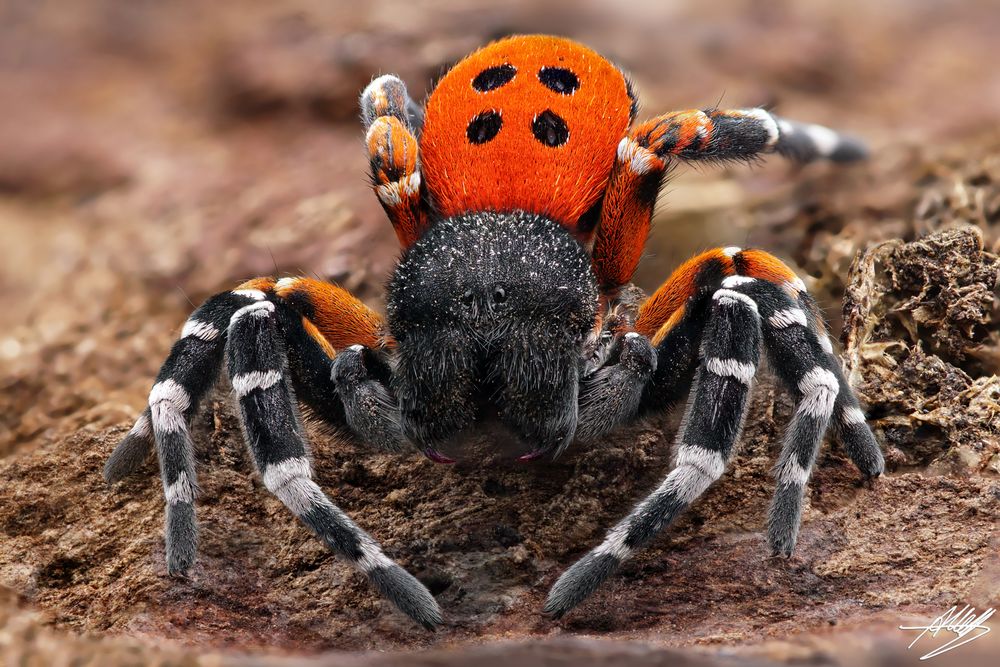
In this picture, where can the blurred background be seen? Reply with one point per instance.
(155, 152)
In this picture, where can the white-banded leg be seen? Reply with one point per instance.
(730, 351)
(802, 357)
(805, 142)
(850, 427)
(190, 370)
(386, 96)
(258, 370)
(849, 424)
(194, 363)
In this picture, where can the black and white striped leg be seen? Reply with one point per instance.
(802, 358)
(849, 424)
(258, 371)
(805, 142)
(793, 347)
(168, 401)
(612, 395)
(730, 351)
(194, 363)
(851, 429)
(190, 370)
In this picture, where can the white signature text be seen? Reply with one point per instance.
(963, 622)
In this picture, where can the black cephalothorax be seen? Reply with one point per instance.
(491, 306)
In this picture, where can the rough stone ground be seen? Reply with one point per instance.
(155, 154)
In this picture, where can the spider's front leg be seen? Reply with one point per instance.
(276, 439)
(731, 350)
(725, 306)
(279, 339)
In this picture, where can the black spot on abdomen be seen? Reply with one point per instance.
(550, 129)
(493, 78)
(484, 127)
(559, 80)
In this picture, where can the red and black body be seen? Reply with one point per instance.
(522, 202)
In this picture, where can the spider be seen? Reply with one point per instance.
(522, 196)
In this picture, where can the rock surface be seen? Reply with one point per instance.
(175, 157)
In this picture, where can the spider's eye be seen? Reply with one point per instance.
(484, 127)
(499, 295)
(550, 129)
(559, 80)
(494, 77)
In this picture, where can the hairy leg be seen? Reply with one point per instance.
(799, 353)
(260, 377)
(389, 121)
(279, 335)
(730, 351)
(188, 373)
(790, 330)
(350, 376)
(646, 155)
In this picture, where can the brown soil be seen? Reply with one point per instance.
(153, 154)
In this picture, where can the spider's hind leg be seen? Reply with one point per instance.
(801, 355)
(645, 155)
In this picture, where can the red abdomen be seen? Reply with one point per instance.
(527, 123)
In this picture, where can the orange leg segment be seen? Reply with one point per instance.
(394, 157)
(712, 135)
(706, 271)
(336, 316)
(626, 214)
